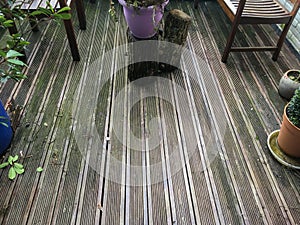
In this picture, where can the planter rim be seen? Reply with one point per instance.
(123, 3)
(285, 113)
(292, 70)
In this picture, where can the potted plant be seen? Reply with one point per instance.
(289, 134)
(143, 16)
(289, 82)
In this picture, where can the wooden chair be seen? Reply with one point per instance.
(257, 12)
(32, 5)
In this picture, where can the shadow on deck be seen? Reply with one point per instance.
(188, 147)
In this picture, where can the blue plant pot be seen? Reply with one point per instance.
(6, 132)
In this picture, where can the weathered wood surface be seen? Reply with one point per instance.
(209, 120)
(141, 68)
(176, 28)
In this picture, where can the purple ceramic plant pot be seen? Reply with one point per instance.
(6, 132)
(143, 22)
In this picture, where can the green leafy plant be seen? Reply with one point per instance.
(15, 167)
(12, 46)
(144, 3)
(293, 109)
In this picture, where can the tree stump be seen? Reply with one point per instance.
(142, 68)
(175, 31)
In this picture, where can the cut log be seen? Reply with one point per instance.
(175, 31)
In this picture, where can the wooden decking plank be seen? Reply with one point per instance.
(277, 192)
(190, 145)
(135, 195)
(208, 146)
(58, 178)
(105, 122)
(45, 171)
(30, 147)
(283, 189)
(271, 175)
(233, 156)
(166, 170)
(100, 157)
(157, 187)
(244, 184)
(11, 187)
(175, 146)
(114, 188)
(208, 83)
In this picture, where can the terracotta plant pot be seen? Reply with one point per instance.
(287, 86)
(289, 137)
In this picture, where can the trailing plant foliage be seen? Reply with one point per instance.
(12, 46)
(144, 3)
(135, 3)
(293, 109)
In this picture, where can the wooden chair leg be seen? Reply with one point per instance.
(80, 14)
(72, 40)
(281, 40)
(230, 40)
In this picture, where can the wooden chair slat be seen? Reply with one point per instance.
(257, 12)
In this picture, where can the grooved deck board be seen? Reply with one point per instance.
(185, 147)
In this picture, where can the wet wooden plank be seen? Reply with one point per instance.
(241, 184)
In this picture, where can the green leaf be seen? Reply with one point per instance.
(44, 11)
(63, 16)
(16, 62)
(10, 159)
(39, 169)
(13, 54)
(64, 9)
(36, 13)
(8, 23)
(12, 173)
(18, 165)
(50, 6)
(3, 165)
(2, 53)
(18, 170)
(15, 158)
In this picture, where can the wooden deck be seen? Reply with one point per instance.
(188, 147)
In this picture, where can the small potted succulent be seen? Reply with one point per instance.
(289, 82)
(289, 134)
